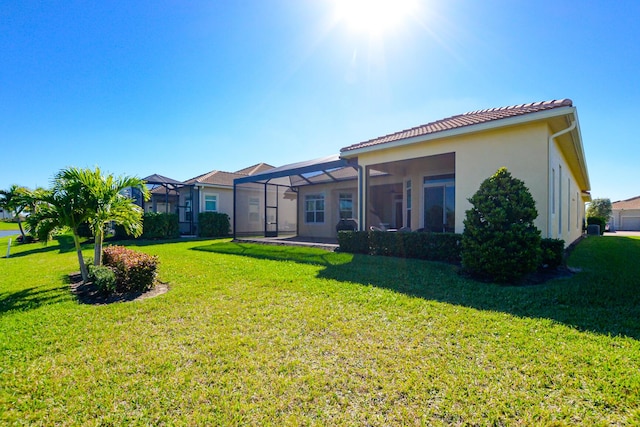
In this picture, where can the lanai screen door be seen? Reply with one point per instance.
(271, 210)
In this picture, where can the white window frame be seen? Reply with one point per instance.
(315, 198)
(409, 201)
(254, 209)
(216, 200)
(345, 197)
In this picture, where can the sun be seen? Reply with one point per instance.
(373, 17)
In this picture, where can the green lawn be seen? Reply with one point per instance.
(4, 225)
(263, 335)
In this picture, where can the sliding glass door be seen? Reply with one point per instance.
(439, 203)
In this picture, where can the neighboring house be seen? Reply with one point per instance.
(421, 178)
(626, 215)
(5, 214)
(209, 192)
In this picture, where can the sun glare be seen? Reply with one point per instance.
(374, 17)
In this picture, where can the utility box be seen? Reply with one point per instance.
(593, 230)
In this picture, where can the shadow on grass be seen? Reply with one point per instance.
(278, 253)
(603, 298)
(65, 244)
(31, 298)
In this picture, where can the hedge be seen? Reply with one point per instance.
(552, 252)
(428, 246)
(213, 224)
(160, 225)
(444, 247)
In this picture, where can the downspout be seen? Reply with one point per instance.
(549, 189)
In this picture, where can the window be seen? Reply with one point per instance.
(577, 210)
(211, 203)
(569, 204)
(254, 209)
(553, 191)
(345, 201)
(440, 203)
(188, 214)
(559, 199)
(408, 222)
(314, 208)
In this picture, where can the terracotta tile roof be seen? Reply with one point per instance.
(462, 120)
(632, 203)
(216, 177)
(251, 170)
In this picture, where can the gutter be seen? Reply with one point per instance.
(571, 127)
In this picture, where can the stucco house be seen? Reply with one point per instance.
(5, 214)
(208, 192)
(626, 215)
(421, 178)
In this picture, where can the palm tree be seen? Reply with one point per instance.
(15, 200)
(63, 206)
(84, 195)
(107, 203)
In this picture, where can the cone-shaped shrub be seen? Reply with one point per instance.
(500, 241)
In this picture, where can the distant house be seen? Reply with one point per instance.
(208, 192)
(5, 214)
(421, 178)
(626, 215)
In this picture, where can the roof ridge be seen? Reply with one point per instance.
(462, 120)
(203, 176)
(627, 200)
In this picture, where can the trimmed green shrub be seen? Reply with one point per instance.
(134, 271)
(213, 224)
(552, 252)
(597, 220)
(428, 246)
(354, 242)
(500, 241)
(156, 225)
(103, 277)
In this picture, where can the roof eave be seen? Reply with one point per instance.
(579, 148)
(494, 124)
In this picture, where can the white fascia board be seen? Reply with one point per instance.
(579, 147)
(494, 124)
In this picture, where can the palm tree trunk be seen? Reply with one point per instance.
(83, 267)
(97, 250)
(24, 238)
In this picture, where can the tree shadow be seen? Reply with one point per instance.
(603, 298)
(31, 298)
(278, 253)
(65, 244)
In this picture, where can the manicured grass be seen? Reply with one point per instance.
(4, 225)
(265, 335)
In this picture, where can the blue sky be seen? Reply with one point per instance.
(181, 88)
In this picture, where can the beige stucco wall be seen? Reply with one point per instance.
(225, 200)
(521, 149)
(331, 194)
(567, 209)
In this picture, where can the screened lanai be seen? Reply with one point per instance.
(267, 204)
(165, 198)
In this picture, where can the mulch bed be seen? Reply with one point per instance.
(88, 293)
